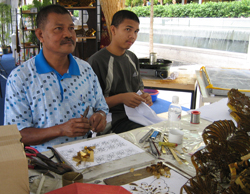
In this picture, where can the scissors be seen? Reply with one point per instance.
(92, 133)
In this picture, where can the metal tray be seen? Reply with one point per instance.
(223, 80)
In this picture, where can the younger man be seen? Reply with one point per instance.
(117, 69)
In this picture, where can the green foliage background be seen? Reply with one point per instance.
(5, 21)
(234, 9)
(140, 2)
(37, 4)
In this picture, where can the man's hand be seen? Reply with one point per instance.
(132, 99)
(147, 98)
(98, 121)
(75, 127)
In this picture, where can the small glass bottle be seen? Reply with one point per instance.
(174, 114)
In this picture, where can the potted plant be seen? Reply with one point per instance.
(5, 21)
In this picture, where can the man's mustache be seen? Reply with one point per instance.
(65, 41)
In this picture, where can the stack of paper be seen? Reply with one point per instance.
(216, 111)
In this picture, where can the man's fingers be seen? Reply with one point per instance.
(82, 125)
(77, 134)
(98, 122)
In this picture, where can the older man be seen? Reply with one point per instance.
(46, 95)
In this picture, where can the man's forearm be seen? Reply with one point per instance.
(36, 136)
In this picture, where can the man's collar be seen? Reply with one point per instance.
(42, 65)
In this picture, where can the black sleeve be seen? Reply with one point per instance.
(99, 71)
(141, 85)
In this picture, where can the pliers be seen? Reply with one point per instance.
(41, 161)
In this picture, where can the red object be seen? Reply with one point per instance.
(153, 93)
(195, 117)
(33, 151)
(86, 188)
(195, 112)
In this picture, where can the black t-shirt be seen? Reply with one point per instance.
(117, 74)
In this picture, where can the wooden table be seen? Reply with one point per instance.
(184, 83)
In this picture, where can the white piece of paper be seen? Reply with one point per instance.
(142, 114)
(107, 149)
(152, 185)
(215, 111)
(109, 117)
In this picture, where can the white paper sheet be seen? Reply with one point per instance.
(215, 111)
(142, 114)
(152, 185)
(108, 148)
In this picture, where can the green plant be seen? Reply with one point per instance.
(76, 13)
(5, 22)
(41, 4)
(35, 4)
(167, 2)
(133, 3)
(234, 9)
(32, 38)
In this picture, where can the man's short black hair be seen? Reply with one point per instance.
(121, 15)
(45, 11)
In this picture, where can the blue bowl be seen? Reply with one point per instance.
(153, 93)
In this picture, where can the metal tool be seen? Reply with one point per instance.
(39, 169)
(159, 153)
(92, 134)
(86, 112)
(57, 155)
(182, 172)
(152, 147)
(45, 172)
(39, 160)
(146, 136)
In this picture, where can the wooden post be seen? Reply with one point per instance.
(151, 32)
